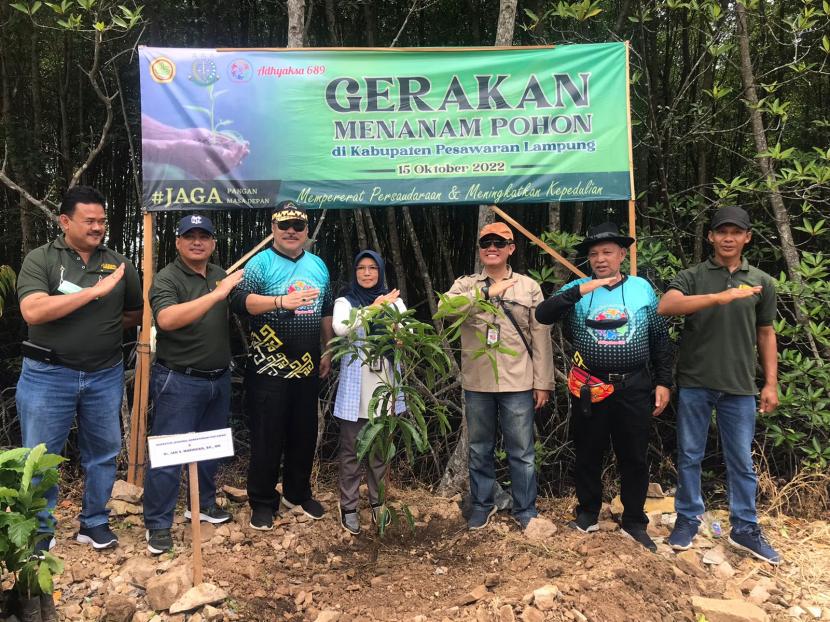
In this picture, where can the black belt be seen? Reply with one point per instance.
(620, 381)
(209, 374)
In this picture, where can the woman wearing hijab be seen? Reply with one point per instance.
(358, 381)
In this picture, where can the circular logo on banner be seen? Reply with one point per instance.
(240, 70)
(203, 72)
(162, 70)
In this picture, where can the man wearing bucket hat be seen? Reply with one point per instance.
(523, 382)
(190, 382)
(287, 297)
(729, 308)
(622, 355)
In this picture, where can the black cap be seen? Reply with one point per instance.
(288, 210)
(195, 221)
(606, 232)
(731, 215)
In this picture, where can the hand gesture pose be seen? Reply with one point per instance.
(228, 283)
(498, 289)
(737, 293)
(390, 298)
(589, 286)
(106, 285)
(299, 298)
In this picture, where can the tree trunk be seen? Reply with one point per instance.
(362, 241)
(397, 256)
(296, 23)
(373, 234)
(429, 290)
(331, 23)
(779, 210)
(504, 37)
(455, 476)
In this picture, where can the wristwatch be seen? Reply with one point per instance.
(485, 291)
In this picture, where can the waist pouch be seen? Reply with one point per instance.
(581, 384)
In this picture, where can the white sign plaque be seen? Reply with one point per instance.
(191, 447)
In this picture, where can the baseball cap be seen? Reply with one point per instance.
(195, 221)
(496, 228)
(731, 215)
(288, 210)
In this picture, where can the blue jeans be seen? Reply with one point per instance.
(514, 412)
(182, 404)
(736, 427)
(49, 397)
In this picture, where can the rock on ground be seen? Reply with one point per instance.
(539, 529)
(124, 491)
(119, 609)
(165, 589)
(202, 594)
(717, 610)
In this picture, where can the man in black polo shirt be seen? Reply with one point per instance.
(191, 381)
(77, 296)
(729, 308)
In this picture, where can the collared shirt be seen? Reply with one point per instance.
(717, 346)
(284, 344)
(204, 344)
(89, 338)
(515, 373)
(642, 340)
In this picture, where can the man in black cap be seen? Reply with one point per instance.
(287, 297)
(622, 356)
(190, 383)
(729, 308)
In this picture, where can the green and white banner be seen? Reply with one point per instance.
(347, 128)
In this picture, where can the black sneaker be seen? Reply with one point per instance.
(213, 514)
(100, 537)
(159, 541)
(262, 519)
(350, 521)
(311, 507)
(584, 522)
(638, 534)
(377, 508)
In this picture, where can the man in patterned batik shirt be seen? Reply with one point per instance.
(287, 296)
(621, 355)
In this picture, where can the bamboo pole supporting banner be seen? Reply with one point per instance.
(195, 522)
(538, 242)
(141, 388)
(241, 261)
(632, 216)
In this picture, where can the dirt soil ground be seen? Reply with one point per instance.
(314, 570)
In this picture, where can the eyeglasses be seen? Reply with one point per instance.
(297, 225)
(367, 268)
(499, 243)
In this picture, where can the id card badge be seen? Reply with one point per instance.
(492, 335)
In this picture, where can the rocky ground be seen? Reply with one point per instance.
(313, 570)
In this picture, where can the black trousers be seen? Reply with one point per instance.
(624, 419)
(282, 419)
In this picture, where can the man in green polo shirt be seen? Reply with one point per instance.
(190, 381)
(729, 308)
(77, 296)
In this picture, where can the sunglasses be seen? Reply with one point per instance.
(499, 243)
(297, 225)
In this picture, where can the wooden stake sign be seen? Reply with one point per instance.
(190, 449)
